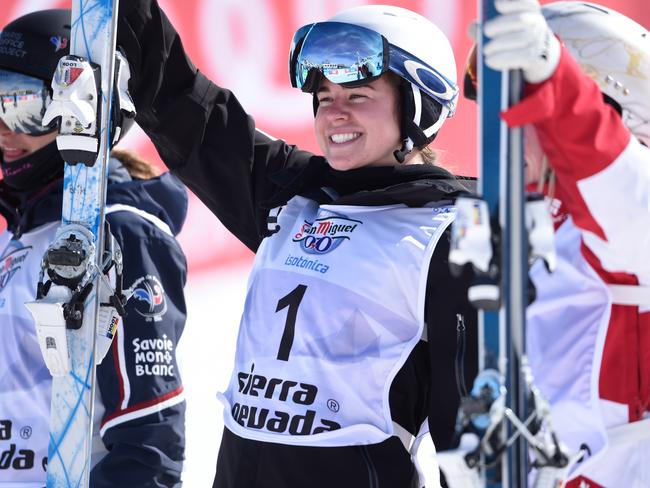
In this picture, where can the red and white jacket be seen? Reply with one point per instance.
(588, 336)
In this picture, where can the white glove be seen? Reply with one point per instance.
(521, 39)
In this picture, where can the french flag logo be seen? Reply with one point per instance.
(150, 300)
(158, 295)
(59, 42)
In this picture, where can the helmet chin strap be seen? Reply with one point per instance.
(401, 153)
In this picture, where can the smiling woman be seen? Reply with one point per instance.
(16, 146)
(28, 161)
(29, 158)
(359, 126)
(333, 375)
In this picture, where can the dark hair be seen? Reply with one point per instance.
(135, 165)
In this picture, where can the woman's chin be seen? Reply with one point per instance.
(340, 167)
(347, 162)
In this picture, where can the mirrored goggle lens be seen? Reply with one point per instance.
(343, 53)
(23, 101)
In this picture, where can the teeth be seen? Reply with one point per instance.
(341, 138)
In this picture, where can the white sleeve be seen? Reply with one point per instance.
(618, 198)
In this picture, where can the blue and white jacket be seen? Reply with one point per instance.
(139, 411)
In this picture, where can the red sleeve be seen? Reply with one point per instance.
(580, 133)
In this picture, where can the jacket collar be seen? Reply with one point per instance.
(163, 197)
(413, 185)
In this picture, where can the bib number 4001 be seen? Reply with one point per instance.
(292, 300)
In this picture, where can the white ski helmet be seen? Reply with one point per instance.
(429, 93)
(613, 50)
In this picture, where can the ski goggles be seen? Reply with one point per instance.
(23, 100)
(351, 55)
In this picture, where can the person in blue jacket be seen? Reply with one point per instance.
(140, 407)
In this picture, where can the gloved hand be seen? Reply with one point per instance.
(521, 39)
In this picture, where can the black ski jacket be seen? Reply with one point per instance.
(207, 139)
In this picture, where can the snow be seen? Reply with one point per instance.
(206, 355)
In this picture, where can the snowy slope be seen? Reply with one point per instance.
(206, 354)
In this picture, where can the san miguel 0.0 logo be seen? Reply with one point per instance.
(325, 234)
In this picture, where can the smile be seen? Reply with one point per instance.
(341, 138)
(11, 152)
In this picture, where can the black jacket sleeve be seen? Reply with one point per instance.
(447, 297)
(143, 423)
(200, 130)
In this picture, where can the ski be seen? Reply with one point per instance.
(502, 330)
(490, 233)
(77, 263)
(501, 233)
(502, 322)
